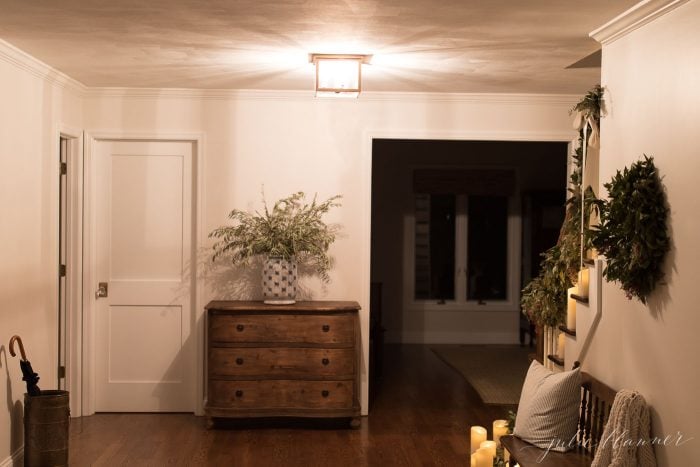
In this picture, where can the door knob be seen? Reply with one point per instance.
(102, 290)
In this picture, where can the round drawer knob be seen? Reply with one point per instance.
(326, 328)
(325, 393)
(239, 393)
(240, 328)
(239, 361)
(325, 361)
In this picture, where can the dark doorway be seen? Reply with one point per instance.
(457, 229)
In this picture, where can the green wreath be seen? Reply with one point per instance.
(633, 232)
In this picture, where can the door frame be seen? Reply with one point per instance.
(74, 258)
(368, 136)
(86, 371)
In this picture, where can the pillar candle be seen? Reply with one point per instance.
(592, 253)
(484, 458)
(500, 428)
(583, 282)
(491, 446)
(506, 455)
(478, 435)
(473, 464)
(560, 345)
(571, 309)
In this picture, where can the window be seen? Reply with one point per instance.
(435, 247)
(466, 250)
(487, 248)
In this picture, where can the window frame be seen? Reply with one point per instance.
(460, 303)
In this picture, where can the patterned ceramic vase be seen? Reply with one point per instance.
(279, 281)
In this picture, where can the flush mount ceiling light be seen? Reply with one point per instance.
(338, 75)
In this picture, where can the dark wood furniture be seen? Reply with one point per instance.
(596, 401)
(300, 360)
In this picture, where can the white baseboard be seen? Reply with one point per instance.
(16, 459)
(393, 337)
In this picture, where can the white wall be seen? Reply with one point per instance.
(652, 80)
(291, 142)
(35, 103)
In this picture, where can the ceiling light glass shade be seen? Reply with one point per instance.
(338, 75)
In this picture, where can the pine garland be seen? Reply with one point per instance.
(543, 300)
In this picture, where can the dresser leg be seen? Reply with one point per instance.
(355, 423)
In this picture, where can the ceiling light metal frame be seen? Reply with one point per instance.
(361, 59)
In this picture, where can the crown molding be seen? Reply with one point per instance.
(634, 18)
(490, 98)
(366, 96)
(191, 93)
(22, 60)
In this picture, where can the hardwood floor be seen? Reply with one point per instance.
(420, 416)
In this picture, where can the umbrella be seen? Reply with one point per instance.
(28, 373)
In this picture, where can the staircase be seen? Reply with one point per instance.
(588, 313)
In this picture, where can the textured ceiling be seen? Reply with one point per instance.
(418, 45)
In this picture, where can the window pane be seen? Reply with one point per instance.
(435, 247)
(487, 248)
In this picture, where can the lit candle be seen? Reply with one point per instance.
(571, 309)
(560, 345)
(473, 464)
(478, 435)
(491, 446)
(506, 456)
(583, 282)
(500, 428)
(484, 458)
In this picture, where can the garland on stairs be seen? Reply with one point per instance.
(543, 300)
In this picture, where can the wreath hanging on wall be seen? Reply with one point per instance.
(633, 232)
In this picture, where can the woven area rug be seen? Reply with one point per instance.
(496, 372)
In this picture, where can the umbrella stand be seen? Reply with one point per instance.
(46, 418)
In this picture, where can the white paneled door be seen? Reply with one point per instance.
(143, 312)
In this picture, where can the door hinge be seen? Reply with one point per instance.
(61, 371)
(62, 270)
(64, 168)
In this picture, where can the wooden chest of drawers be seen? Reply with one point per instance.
(300, 360)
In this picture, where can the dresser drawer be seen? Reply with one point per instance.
(281, 394)
(281, 362)
(283, 328)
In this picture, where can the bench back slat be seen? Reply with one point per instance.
(596, 401)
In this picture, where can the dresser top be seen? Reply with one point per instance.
(309, 306)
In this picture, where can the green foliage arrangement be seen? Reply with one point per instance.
(543, 300)
(592, 104)
(511, 421)
(293, 230)
(633, 233)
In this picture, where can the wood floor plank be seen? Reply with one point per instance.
(420, 417)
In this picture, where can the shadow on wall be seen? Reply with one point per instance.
(14, 408)
(661, 297)
(227, 281)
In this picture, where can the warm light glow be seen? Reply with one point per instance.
(490, 445)
(571, 308)
(477, 436)
(338, 75)
(560, 345)
(583, 279)
(484, 458)
(500, 428)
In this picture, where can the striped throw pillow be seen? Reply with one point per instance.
(549, 408)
